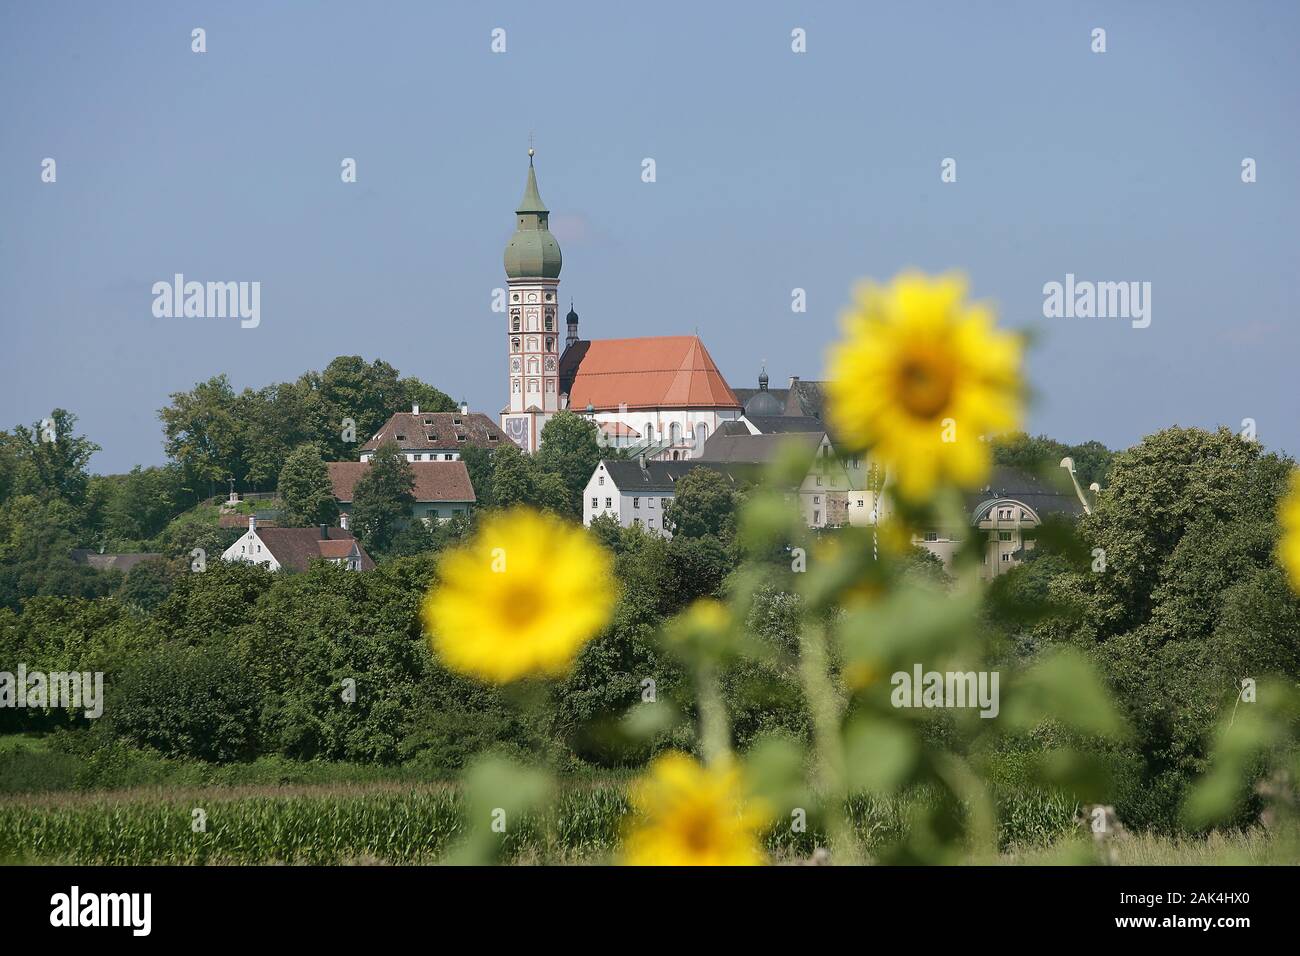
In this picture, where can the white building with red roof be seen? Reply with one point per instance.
(663, 395)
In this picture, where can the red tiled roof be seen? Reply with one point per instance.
(434, 480)
(296, 548)
(672, 371)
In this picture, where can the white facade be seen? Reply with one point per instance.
(632, 506)
(685, 430)
(251, 548)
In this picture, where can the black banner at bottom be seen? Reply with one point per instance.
(334, 905)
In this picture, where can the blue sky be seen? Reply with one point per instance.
(775, 170)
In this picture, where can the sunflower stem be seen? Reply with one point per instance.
(824, 703)
(715, 733)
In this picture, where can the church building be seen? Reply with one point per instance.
(661, 396)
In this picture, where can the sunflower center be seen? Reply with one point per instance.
(698, 832)
(925, 385)
(522, 605)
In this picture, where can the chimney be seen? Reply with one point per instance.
(415, 409)
(252, 522)
(324, 532)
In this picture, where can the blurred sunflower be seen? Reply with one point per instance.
(1288, 515)
(692, 815)
(919, 377)
(521, 599)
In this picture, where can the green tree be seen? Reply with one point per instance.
(53, 459)
(569, 450)
(704, 504)
(383, 498)
(1039, 453)
(203, 434)
(478, 462)
(305, 488)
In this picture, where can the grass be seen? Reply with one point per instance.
(402, 823)
(126, 807)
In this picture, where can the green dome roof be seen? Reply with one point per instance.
(532, 252)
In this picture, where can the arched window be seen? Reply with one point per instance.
(675, 433)
(701, 434)
(649, 431)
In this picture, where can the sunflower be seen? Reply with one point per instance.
(920, 378)
(692, 815)
(521, 599)
(1288, 515)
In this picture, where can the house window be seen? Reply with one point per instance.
(817, 517)
(595, 503)
(600, 480)
(701, 433)
(1004, 535)
(1006, 557)
(637, 522)
(636, 502)
(932, 536)
(817, 499)
(651, 522)
(448, 457)
(819, 482)
(859, 502)
(649, 502)
(419, 458)
(609, 502)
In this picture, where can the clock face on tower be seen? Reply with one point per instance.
(550, 365)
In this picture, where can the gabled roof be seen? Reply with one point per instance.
(1047, 495)
(776, 424)
(435, 481)
(296, 548)
(723, 447)
(662, 476)
(672, 371)
(438, 431)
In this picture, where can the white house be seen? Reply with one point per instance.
(442, 488)
(435, 436)
(296, 548)
(636, 492)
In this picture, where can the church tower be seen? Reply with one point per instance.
(532, 262)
